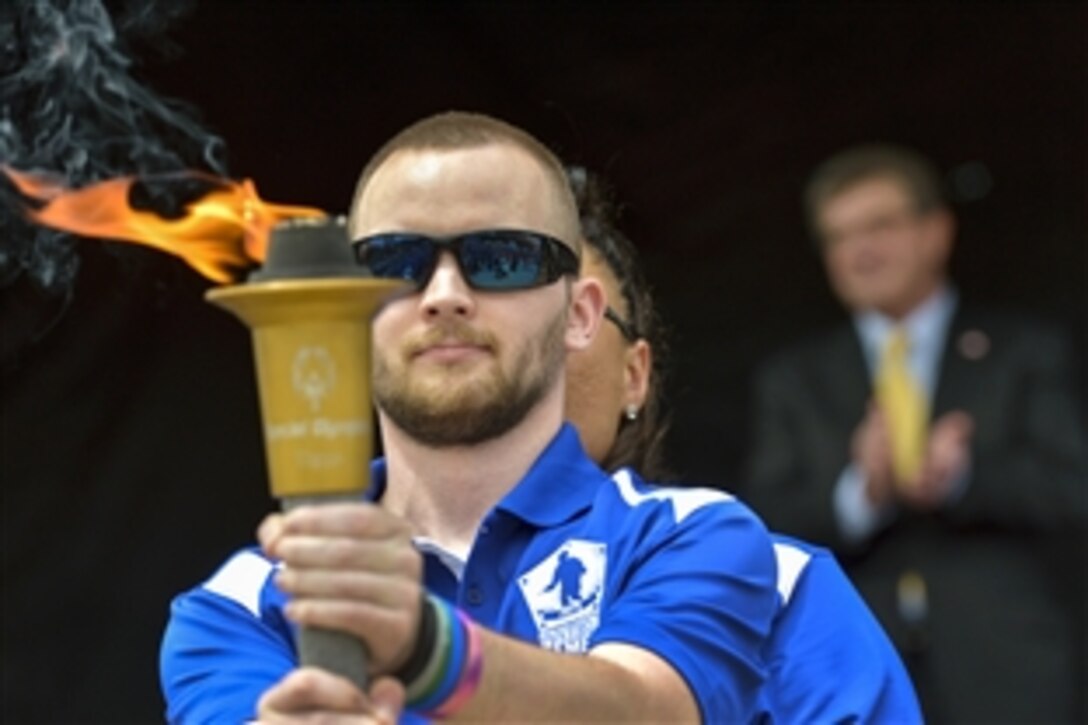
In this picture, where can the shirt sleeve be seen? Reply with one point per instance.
(701, 594)
(226, 643)
(825, 627)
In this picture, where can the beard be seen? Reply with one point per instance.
(438, 411)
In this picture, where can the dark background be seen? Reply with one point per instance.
(131, 452)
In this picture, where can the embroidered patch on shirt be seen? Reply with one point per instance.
(564, 594)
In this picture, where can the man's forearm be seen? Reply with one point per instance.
(614, 682)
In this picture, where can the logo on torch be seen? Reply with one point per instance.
(313, 374)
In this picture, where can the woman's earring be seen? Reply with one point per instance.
(631, 412)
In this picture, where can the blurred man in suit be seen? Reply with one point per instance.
(937, 448)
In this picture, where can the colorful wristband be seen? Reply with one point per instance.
(424, 647)
(450, 675)
(472, 671)
(421, 687)
(446, 664)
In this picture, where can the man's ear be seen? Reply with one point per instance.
(941, 232)
(587, 305)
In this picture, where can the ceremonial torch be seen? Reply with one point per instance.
(309, 310)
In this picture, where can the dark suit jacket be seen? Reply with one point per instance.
(1003, 636)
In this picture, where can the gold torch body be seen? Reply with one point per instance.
(311, 345)
(310, 326)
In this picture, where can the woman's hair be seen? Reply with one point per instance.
(640, 443)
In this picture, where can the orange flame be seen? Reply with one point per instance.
(223, 232)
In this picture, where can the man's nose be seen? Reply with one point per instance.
(447, 292)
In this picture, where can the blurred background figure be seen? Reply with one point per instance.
(828, 659)
(937, 448)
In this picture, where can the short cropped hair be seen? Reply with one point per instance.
(917, 175)
(454, 130)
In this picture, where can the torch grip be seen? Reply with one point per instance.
(335, 651)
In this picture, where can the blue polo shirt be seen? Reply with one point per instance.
(569, 559)
(829, 659)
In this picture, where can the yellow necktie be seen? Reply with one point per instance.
(904, 405)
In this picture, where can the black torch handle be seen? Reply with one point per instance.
(333, 650)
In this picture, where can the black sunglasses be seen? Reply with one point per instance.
(626, 328)
(490, 259)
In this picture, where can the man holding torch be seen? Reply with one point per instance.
(493, 571)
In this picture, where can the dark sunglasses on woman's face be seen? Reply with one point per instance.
(489, 259)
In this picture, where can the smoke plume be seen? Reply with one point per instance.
(70, 105)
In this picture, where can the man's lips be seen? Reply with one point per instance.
(450, 351)
(868, 264)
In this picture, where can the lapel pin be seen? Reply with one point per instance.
(974, 344)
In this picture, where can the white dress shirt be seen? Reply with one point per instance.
(927, 329)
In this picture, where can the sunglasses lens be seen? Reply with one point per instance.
(400, 257)
(489, 260)
(496, 261)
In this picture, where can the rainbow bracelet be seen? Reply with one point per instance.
(471, 672)
(447, 668)
(420, 688)
(447, 677)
